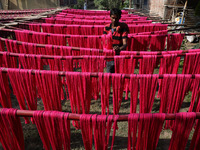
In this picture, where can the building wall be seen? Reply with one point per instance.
(4, 4)
(158, 7)
(28, 4)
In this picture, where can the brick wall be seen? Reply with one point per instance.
(28, 4)
(157, 6)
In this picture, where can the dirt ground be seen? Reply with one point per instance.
(33, 141)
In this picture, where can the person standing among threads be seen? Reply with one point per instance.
(119, 32)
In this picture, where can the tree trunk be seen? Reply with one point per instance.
(5, 4)
(130, 4)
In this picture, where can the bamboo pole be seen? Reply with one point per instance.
(96, 74)
(69, 35)
(81, 57)
(184, 11)
(72, 116)
(130, 4)
(100, 50)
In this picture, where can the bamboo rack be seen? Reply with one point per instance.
(72, 116)
(96, 75)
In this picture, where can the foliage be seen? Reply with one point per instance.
(101, 4)
(197, 9)
(80, 4)
(108, 4)
(126, 4)
(75, 7)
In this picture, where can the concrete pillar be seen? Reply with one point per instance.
(58, 3)
(1, 7)
(134, 4)
(130, 4)
(4, 4)
(165, 2)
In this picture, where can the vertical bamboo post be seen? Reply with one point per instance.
(184, 11)
(130, 4)
(7, 5)
(58, 3)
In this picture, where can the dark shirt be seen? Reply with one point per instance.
(119, 33)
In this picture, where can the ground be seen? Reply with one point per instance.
(33, 141)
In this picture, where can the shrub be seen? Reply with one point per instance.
(197, 9)
(108, 4)
(80, 4)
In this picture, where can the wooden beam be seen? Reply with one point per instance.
(130, 4)
(184, 11)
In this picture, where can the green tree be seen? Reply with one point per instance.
(108, 4)
(197, 9)
(79, 5)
